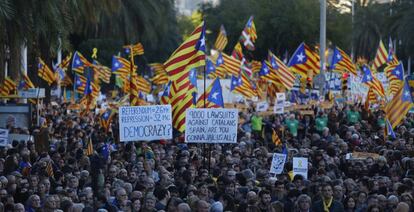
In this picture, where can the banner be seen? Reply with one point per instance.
(4, 136)
(145, 123)
(280, 103)
(211, 125)
(278, 163)
(300, 166)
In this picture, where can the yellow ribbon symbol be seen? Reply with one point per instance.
(300, 164)
(94, 53)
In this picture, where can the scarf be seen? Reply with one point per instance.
(327, 205)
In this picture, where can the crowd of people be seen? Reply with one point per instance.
(54, 173)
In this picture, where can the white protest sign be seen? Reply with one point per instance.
(262, 106)
(280, 103)
(4, 137)
(205, 125)
(278, 163)
(300, 166)
(280, 96)
(145, 123)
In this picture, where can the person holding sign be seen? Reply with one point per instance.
(327, 204)
(292, 125)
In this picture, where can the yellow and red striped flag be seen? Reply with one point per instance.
(275, 138)
(221, 40)
(10, 84)
(397, 109)
(303, 60)
(231, 65)
(44, 72)
(103, 73)
(121, 66)
(89, 148)
(137, 49)
(286, 77)
(79, 63)
(369, 79)
(49, 169)
(380, 57)
(189, 55)
(342, 62)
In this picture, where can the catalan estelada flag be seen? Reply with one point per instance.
(106, 118)
(80, 83)
(120, 66)
(395, 75)
(45, 73)
(381, 56)
(267, 74)
(79, 63)
(189, 55)
(303, 60)
(212, 97)
(137, 49)
(221, 40)
(341, 62)
(397, 109)
(286, 77)
(103, 73)
(371, 81)
(388, 131)
(165, 97)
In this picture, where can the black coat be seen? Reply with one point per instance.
(335, 206)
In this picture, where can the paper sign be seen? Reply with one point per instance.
(145, 123)
(262, 106)
(211, 125)
(280, 103)
(300, 166)
(280, 96)
(278, 163)
(4, 136)
(364, 155)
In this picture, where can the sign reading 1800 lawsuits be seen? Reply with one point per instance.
(211, 125)
(145, 123)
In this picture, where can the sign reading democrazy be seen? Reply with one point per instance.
(211, 125)
(145, 123)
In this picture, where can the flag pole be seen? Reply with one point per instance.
(131, 52)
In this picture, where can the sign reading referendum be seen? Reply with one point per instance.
(211, 125)
(145, 123)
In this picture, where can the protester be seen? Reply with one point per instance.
(170, 175)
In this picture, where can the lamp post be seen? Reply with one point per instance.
(322, 43)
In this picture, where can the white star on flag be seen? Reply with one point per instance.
(338, 56)
(368, 77)
(397, 73)
(77, 62)
(117, 64)
(202, 41)
(301, 57)
(214, 95)
(406, 94)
